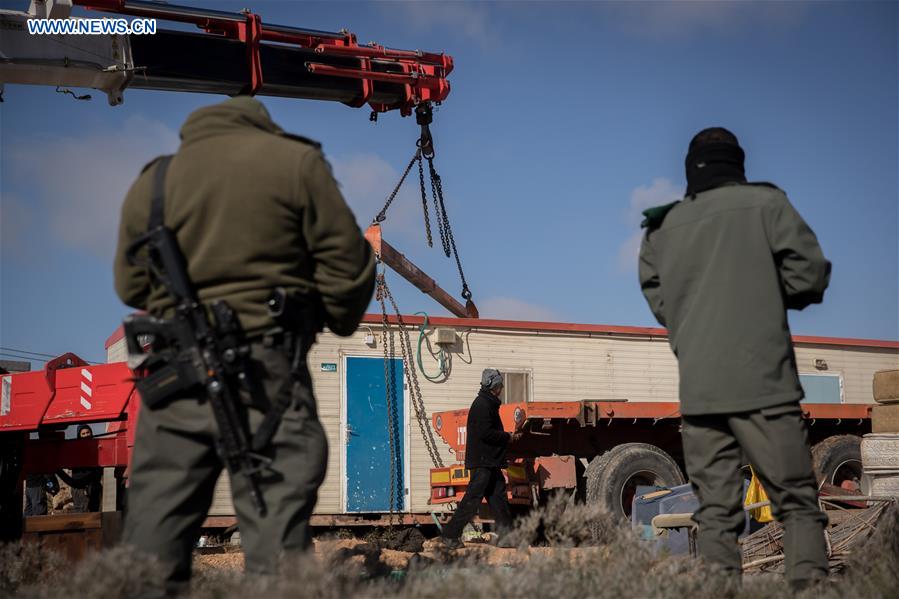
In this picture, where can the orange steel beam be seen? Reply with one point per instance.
(450, 425)
(406, 269)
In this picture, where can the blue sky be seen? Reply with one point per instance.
(565, 120)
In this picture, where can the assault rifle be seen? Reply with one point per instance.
(193, 355)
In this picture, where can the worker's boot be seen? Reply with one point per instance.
(797, 585)
(506, 542)
(450, 543)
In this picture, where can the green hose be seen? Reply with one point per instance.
(441, 357)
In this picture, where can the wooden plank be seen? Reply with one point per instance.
(74, 545)
(111, 528)
(412, 273)
(63, 522)
(219, 522)
(334, 520)
(74, 536)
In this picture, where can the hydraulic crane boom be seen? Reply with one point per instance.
(236, 54)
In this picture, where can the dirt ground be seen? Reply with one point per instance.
(356, 551)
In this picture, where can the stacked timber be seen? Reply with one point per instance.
(880, 449)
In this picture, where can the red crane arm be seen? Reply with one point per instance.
(421, 76)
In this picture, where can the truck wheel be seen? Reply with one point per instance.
(837, 461)
(613, 477)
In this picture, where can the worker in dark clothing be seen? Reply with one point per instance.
(85, 482)
(37, 487)
(485, 456)
(254, 209)
(719, 270)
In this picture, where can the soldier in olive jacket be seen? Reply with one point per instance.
(253, 208)
(719, 269)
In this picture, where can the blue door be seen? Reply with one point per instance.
(368, 464)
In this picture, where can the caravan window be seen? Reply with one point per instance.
(518, 386)
(822, 388)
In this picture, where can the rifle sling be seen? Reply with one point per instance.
(284, 397)
(157, 203)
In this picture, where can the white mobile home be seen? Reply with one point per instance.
(542, 361)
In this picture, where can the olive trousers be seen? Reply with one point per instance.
(775, 442)
(175, 468)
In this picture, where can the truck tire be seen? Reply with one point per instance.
(837, 461)
(613, 477)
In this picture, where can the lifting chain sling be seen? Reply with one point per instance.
(390, 390)
(425, 151)
(382, 293)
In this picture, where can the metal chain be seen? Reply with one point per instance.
(447, 239)
(424, 201)
(391, 395)
(421, 415)
(437, 192)
(444, 222)
(382, 215)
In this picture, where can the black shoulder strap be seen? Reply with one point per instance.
(157, 205)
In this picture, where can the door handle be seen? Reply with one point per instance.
(350, 432)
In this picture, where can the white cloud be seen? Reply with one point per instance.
(15, 217)
(510, 308)
(629, 252)
(468, 19)
(660, 191)
(366, 181)
(681, 18)
(81, 182)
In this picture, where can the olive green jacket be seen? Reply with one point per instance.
(720, 271)
(253, 209)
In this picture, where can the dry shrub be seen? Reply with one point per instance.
(580, 563)
(332, 576)
(562, 523)
(118, 573)
(873, 568)
(23, 565)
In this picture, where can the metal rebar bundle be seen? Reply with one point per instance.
(763, 550)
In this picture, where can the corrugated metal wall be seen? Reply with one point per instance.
(562, 367)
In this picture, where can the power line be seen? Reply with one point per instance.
(20, 356)
(25, 351)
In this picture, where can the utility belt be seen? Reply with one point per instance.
(296, 324)
(276, 339)
(298, 319)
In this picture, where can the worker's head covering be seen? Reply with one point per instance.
(713, 159)
(240, 112)
(84, 427)
(491, 379)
